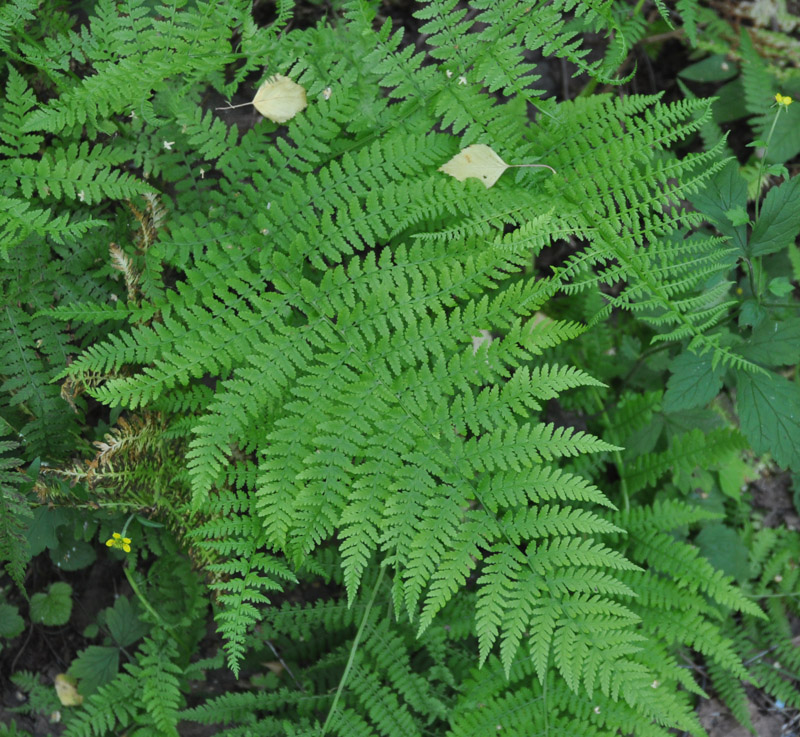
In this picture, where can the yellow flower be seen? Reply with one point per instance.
(119, 542)
(783, 100)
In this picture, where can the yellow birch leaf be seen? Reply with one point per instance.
(66, 691)
(478, 161)
(280, 99)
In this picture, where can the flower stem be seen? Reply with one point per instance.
(764, 158)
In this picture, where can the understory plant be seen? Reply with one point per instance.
(437, 394)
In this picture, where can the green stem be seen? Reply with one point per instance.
(751, 276)
(353, 649)
(146, 604)
(127, 522)
(764, 158)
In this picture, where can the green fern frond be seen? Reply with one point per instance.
(15, 512)
(159, 681)
(114, 705)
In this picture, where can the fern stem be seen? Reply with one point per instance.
(751, 276)
(353, 650)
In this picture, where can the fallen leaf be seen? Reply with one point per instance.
(280, 99)
(66, 691)
(479, 161)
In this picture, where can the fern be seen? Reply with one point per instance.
(285, 321)
(160, 685)
(14, 513)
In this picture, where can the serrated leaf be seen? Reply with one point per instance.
(94, 667)
(476, 162)
(769, 415)
(726, 191)
(779, 222)
(752, 314)
(43, 530)
(280, 99)
(123, 622)
(774, 343)
(693, 383)
(53, 608)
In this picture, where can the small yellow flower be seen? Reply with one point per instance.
(119, 542)
(783, 100)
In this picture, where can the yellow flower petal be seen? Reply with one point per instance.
(109, 542)
(126, 547)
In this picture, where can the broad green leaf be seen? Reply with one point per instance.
(724, 549)
(730, 105)
(779, 222)
(94, 667)
(11, 624)
(794, 259)
(716, 68)
(43, 530)
(726, 191)
(123, 622)
(780, 286)
(774, 343)
(693, 382)
(752, 314)
(734, 473)
(53, 608)
(769, 414)
(72, 555)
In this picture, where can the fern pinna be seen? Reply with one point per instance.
(304, 303)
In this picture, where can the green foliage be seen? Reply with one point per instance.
(53, 607)
(14, 515)
(331, 395)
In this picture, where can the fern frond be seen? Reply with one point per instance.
(159, 681)
(15, 512)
